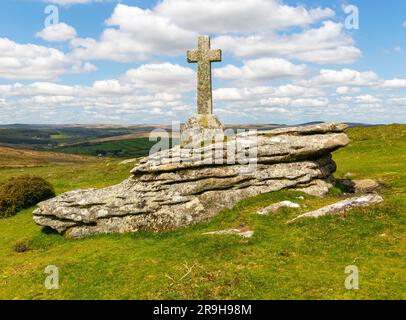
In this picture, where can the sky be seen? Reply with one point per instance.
(124, 62)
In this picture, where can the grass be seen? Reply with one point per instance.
(121, 148)
(304, 260)
(17, 158)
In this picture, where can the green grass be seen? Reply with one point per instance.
(121, 148)
(303, 260)
(60, 136)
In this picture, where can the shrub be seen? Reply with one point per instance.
(23, 192)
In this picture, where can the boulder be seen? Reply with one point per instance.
(277, 206)
(181, 186)
(342, 206)
(360, 186)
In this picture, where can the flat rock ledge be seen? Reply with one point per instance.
(179, 187)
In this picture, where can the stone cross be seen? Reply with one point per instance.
(204, 57)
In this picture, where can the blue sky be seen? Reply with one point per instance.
(124, 62)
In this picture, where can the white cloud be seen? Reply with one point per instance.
(220, 16)
(106, 101)
(170, 28)
(262, 69)
(394, 84)
(255, 94)
(57, 33)
(367, 99)
(134, 34)
(34, 62)
(276, 102)
(309, 103)
(268, 39)
(327, 44)
(347, 90)
(110, 87)
(164, 77)
(37, 88)
(265, 93)
(344, 77)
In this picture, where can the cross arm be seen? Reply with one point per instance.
(192, 55)
(215, 55)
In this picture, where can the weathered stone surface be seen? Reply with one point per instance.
(203, 56)
(277, 206)
(201, 129)
(342, 206)
(163, 195)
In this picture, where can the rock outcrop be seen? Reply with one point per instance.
(180, 186)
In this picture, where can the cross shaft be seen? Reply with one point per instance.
(203, 56)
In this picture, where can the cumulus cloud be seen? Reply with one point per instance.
(57, 33)
(327, 44)
(171, 27)
(163, 77)
(262, 69)
(221, 16)
(394, 84)
(111, 87)
(141, 94)
(274, 47)
(34, 62)
(134, 34)
(344, 77)
(367, 99)
(347, 90)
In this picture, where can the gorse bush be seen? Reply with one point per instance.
(23, 192)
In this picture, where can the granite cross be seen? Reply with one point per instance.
(204, 57)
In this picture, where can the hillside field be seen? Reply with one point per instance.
(18, 158)
(303, 260)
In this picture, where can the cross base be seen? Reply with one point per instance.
(200, 130)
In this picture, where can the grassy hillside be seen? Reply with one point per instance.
(89, 141)
(17, 158)
(304, 260)
(120, 148)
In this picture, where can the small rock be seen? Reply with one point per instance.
(286, 254)
(128, 161)
(360, 186)
(300, 198)
(343, 206)
(276, 206)
(238, 232)
(367, 185)
(21, 247)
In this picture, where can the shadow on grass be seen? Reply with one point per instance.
(48, 230)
